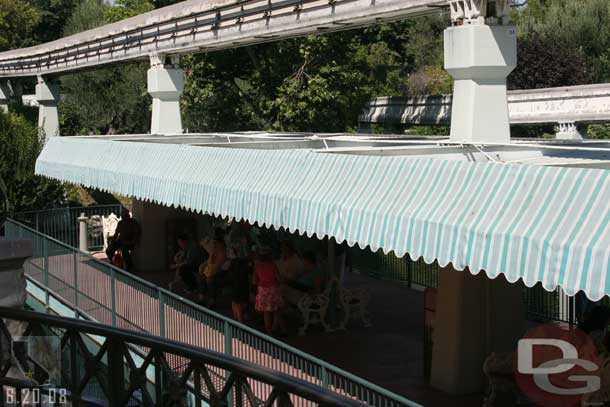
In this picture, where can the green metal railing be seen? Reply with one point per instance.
(123, 381)
(62, 223)
(102, 292)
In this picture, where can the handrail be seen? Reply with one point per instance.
(230, 323)
(287, 383)
(71, 208)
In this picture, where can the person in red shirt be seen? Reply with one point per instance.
(268, 296)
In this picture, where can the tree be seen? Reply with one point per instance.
(53, 17)
(19, 148)
(561, 43)
(112, 99)
(123, 9)
(18, 20)
(576, 25)
(317, 83)
(546, 62)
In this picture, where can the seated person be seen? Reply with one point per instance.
(125, 239)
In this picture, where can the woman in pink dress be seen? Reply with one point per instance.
(268, 296)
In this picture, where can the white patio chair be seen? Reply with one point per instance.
(313, 308)
(355, 303)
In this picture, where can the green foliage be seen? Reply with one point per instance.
(546, 62)
(127, 8)
(575, 25)
(19, 147)
(428, 131)
(108, 100)
(18, 20)
(317, 83)
(87, 15)
(54, 15)
(598, 131)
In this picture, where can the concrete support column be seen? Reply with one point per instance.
(480, 57)
(474, 317)
(165, 85)
(5, 96)
(568, 131)
(47, 95)
(151, 254)
(83, 233)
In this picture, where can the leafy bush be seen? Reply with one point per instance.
(20, 145)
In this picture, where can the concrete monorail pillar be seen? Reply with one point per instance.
(5, 96)
(47, 95)
(480, 57)
(165, 85)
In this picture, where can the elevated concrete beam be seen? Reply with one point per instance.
(205, 25)
(564, 105)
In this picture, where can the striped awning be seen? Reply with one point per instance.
(536, 223)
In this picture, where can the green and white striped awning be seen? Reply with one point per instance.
(536, 223)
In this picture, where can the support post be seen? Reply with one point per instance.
(480, 57)
(474, 317)
(5, 96)
(47, 95)
(75, 272)
(83, 236)
(165, 85)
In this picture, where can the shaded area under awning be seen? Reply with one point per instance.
(532, 222)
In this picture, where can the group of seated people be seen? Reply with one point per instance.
(256, 273)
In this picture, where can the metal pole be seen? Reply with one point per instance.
(571, 321)
(161, 314)
(324, 374)
(409, 267)
(228, 339)
(229, 352)
(113, 296)
(74, 261)
(45, 271)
